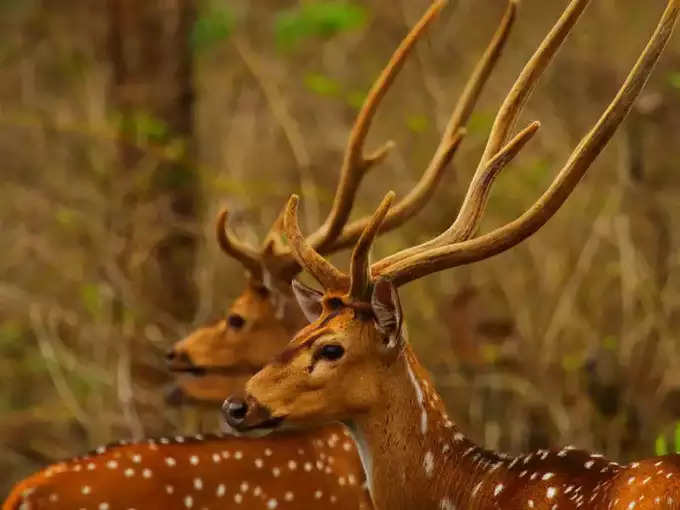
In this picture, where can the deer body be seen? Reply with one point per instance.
(422, 460)
(291, 470)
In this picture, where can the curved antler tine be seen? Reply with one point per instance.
(474, 204)
(355, 162)
(453, 135)
(359, 266)
(323, 271)
(235, 248)
(511, 234)
(273, 243)
(528, 79)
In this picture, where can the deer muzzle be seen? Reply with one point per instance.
(247, 414)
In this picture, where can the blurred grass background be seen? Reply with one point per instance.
(124, 127)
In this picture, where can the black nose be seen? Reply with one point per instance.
(178, 358)
(235, 410)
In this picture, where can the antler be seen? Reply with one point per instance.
(354, 167)
(325, 273)
(246, 255)
(452, 247)
(355, 164)
(415, 200)
(360, 275)
(334, 234)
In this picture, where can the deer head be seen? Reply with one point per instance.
(214, 361)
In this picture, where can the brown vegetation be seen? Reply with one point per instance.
(570, 337)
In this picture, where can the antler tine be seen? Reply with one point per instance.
(235, 248)
(355, 163)
(471, 212)
(322, 270)
(416, 199)
(359, 265)
(511, 234)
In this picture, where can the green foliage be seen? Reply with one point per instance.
(213, 26)
(321, 84)
(677, 437)
(417, 123)
(573, 362)
(317, 19)
(17, 4)
(674, 79)
(661, 445)
(480, 123)
(66, 217)
(355, 98)
(10, 334)
(610, 343)
(91, 299)
(143, 127)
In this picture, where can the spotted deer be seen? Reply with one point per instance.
(295, 469)
(353, 363)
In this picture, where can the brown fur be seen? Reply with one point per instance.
(419, 458)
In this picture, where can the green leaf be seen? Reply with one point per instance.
(677, 437)
(91, 299)
(212, 27)
(480, 123)
(572, 362)
(356, 98)
(143, 127)
(674, 79)
(610, 343)
(317, 19)
(661, 445)
(10, 332)
(417, 123)
(321, 84)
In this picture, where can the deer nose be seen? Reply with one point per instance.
(175, 357)
(235, 410)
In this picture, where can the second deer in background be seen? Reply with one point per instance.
(296, 470)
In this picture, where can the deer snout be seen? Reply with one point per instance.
(235, 410)
(246, 414)
(178, 360)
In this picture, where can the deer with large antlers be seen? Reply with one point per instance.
(353, 362)
(305, 469)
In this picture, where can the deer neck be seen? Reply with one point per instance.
(414, 456)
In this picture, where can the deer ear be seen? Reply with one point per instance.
(309, 300)
(387, 310)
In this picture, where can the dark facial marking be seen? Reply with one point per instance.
(262, 291)
(334, 303)
(236, 321)
(290, 352)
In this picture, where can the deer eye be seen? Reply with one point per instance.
(235, 321)
(330, 352)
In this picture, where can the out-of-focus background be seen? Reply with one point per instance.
(124, 125)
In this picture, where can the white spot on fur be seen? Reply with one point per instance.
(419, 398)
(428, 464)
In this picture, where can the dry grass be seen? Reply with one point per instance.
(571, 337)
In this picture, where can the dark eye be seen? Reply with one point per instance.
(235, 321)
(331, 352)
(334, 303)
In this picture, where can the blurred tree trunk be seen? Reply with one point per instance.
(153, 79)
